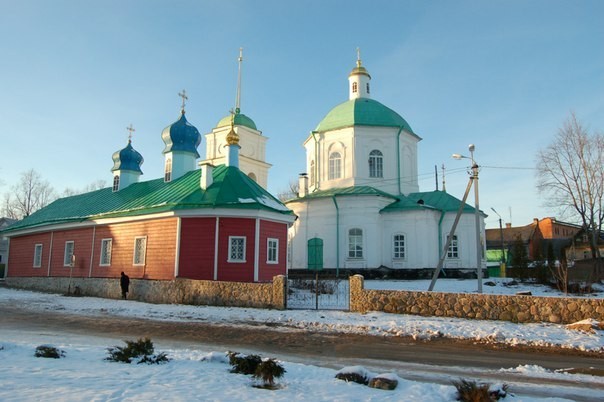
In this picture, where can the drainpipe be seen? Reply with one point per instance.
(316, 172)
(337, 235)
(440, 222)
(398, 158)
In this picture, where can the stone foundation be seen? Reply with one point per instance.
(560, 310)
(178, 291)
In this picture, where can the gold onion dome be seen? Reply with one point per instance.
(359, 69)
(232, 137)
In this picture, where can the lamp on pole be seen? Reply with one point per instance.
(474, 178)
(502, 268)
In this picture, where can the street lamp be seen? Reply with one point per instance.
(502, 267)
(474, 178)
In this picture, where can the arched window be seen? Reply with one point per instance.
(453, 251)
(376, 164)
(252, 176)
(367, 87)
(355, 243)
(168, 170)
(312, 173)
(354, 87)
(116, 182)
(335, 166)
(398, 246)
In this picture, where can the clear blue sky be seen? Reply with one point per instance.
(503, 75)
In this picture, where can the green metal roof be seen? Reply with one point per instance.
(438, 200)
(231, 188)
(362, 112)
(353, 190)
(240, 120)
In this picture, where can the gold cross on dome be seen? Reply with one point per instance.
(130, 131)
(358, 57)
(184, 97)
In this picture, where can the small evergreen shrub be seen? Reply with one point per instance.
(470, 391)
(244, 364)
(140, 351)
(268, 371)
(49, 352)
(353, 377)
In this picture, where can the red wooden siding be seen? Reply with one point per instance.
(278, 231)
(197, 242)
(21, 255)
(82, 246)
(236, 271)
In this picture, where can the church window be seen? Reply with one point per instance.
(236, 249)
(312, 173)
(354, 87)
(398, 246)
(140, 250)
(376, 164)
(68, 256)
(252, 176)
(106, 245)
(335, 166)
(355, 243)
(368, 88)
(272, 251)
(116, 182)
(453, 251)
(37, 256)
(168, 170)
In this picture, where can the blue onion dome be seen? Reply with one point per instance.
(181, 136)
(127, 159)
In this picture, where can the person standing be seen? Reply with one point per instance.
(124, 284)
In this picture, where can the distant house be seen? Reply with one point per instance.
(536, 237)
(210, 223)
(4, 223)
(579, 248)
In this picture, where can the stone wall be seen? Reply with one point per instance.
(179, 291)
(563, 310)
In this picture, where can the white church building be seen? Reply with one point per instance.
(359, 204)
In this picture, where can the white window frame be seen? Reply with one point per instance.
(376, 164)
(68, 255)
(38, 248)
(453, 250)
(272, 250)
(137, 259)
(105, 257)
(399, 251)
(335, 166)
(234, 255)
(116, 183)
(354, 242)
(168, 170)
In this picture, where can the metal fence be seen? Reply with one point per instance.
(319, 291)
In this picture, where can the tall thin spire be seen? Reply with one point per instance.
(130, 131)
(185, 98)
(238, 100)
(358, 57)
(444, 187)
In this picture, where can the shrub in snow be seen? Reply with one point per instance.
(243, 364)
(470, 391)
(140, 351)
(387, 382)
(49, 352)
(268, 370)
(356, 374)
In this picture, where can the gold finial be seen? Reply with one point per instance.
(184, 97)
(130, 131)
(358, 57)
(238, 98)
(232, 137)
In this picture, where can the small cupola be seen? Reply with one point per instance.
(358, 80)
(181, 139)
(126, 164)
(233, 146)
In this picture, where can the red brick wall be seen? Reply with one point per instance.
(197, 241)
(278, 231)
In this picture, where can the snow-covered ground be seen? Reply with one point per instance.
(84, 375)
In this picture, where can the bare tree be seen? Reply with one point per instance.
(95, 185)
(570, 172)
(291, 192)
(28, 195)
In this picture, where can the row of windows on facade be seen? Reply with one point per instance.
(355, 245)
(376, 166)
(236, 251)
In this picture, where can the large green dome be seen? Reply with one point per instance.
(362, 112)
(240, 120)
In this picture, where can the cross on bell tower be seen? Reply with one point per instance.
(185, 98)
(130, 131)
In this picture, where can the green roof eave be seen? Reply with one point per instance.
(437, 200)
(343, 191)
